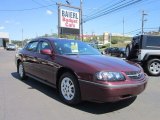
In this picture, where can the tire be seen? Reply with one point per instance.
(128, 52)
(153, 67)
(110, 54)
(21, 71)
(121, 55)
(69, 89)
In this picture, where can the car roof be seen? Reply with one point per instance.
(10, 44)
(146, 35)
(53, 39)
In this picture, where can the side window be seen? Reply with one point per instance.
(153, 41)
(116, 49)
(43, 45)
(32, 46)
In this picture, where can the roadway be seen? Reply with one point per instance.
(31, 100)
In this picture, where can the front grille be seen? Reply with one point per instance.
(134, 74)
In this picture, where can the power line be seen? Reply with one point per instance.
(133, 31)
(40, 3)
(139, 30)
(100, 8)
(128, 16)
(53, 1)
(112, 9)
(120, 6)
(103, 9)
(37, 2)
(26, 9)
(152, 28)
(107, 8)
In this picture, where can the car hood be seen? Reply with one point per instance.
(106, 63)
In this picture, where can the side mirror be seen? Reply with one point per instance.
(46, 52)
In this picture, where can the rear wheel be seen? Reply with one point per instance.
(69, 89)
(128, 52)
(21, 71)
(153, 67)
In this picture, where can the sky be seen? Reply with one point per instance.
(27, 16)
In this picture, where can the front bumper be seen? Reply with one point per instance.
(92, 91)
(11, 48)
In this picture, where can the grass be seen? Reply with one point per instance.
(121, 42)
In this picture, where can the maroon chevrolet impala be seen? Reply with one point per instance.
(80, 72)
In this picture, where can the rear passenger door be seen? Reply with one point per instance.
(29, 58)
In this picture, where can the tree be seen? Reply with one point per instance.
(114, 41)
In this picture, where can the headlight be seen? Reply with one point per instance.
(110, 76)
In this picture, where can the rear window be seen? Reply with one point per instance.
(153, 41)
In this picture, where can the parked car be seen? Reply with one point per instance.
(145, 49)
(108, 50)
(121, 52)
(115, 51)
(79, 72)
(93, 45)
(10, 47)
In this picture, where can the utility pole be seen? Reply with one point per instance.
(123, 26)
(22, 37)
(81, 14)
(58, 20)
(143, 20)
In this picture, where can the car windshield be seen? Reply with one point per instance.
(11, 45)
(74, 47)
(93, 45)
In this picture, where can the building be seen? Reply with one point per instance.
(4, 39)
(107, 37)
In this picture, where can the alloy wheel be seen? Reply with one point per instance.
(21, 71)
(67, 88)
(155, 68)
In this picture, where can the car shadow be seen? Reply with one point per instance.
(33, 84)
(103, 108)
(90, 107)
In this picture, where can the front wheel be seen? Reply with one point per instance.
(153, 67)
(69, 89)
(21, 71)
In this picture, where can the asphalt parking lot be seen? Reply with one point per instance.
(31, 100)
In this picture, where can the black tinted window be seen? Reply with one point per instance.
(153, 41)
(32, 46)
